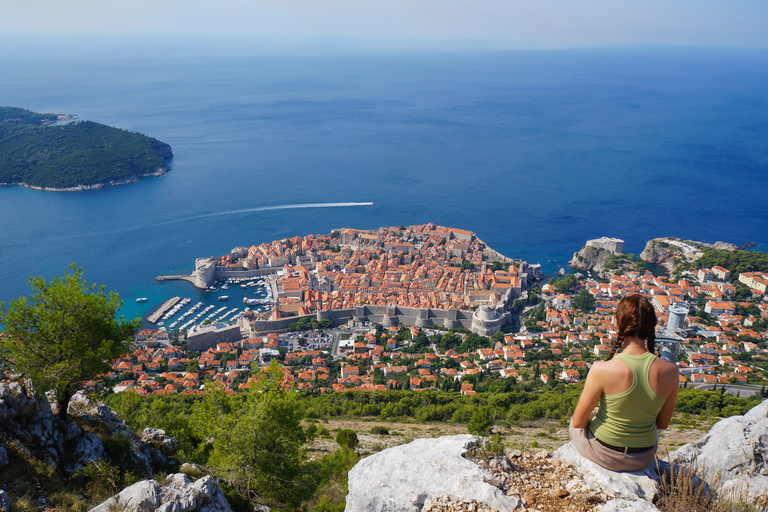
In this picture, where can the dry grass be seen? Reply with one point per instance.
(683, 489)
(547, 434)
(688, 489)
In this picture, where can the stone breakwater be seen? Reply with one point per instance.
(160, 171)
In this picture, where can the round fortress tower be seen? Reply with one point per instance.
(485, 321)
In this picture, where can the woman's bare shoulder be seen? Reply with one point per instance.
(665, 367)
(609, 368)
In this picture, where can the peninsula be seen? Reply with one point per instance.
(415, 275)
(56, 152)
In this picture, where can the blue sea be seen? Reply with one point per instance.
(535, 151)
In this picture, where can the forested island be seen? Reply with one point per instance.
(38, 153)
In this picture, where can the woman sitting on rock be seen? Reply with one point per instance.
(635, 394)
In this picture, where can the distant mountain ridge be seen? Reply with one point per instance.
(80, 155)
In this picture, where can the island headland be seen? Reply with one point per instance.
(38, 152)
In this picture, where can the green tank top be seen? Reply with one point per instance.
(629, 418)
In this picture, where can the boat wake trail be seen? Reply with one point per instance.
(270, 208)
(139, 226)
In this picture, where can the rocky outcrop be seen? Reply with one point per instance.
(724, 245)
(441, 475)
(28, 423)
(444, 475)
(157, 438)
(590, 258)
(736, 451)
(143, 455)
(660, 252)
(5, 502)
(26, 417)
(178, 494)
(87, 448)
(635, 486)
(403, 478)
(144, 496)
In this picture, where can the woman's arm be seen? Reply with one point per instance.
(588, 399)
(665, 414)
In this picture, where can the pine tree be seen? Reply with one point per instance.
(65, 332)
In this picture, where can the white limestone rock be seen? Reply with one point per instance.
(622, 505)
(736, 449)
(5, 502)
(403, 478)
(89, 447)
(83, 409)
(179, 494)
(157, 438)
(631, 486)
(192, 470)
(144, 496)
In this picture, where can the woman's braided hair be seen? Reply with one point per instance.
(635, 316)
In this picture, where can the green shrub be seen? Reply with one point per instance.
(347, 438)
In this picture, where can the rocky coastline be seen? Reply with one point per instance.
(670, 252)
(666, 252)
(160, 171)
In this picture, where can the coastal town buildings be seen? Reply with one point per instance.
(718, 328)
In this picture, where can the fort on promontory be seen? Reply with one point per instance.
(416, 275)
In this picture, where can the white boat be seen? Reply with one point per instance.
(141, 299)
(251, 302)
(224, 287)
(224, 297)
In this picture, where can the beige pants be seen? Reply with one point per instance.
(586, 444)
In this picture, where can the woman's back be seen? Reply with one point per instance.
(628, 418)
(635, 394)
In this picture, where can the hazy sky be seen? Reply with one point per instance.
(489, 23)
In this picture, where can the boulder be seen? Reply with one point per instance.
(71, 431)
(736, 451)
(26, 417)
(157, 438)
(403, 478)
(5, 501)
(82, 409)
(179, 494)
(144, 496)
(89, 447)
(635, 486)
(192, 470)
(3, 456)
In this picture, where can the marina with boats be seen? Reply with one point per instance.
(180, 313)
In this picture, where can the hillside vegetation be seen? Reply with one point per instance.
(35, 153)
(737, 262)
